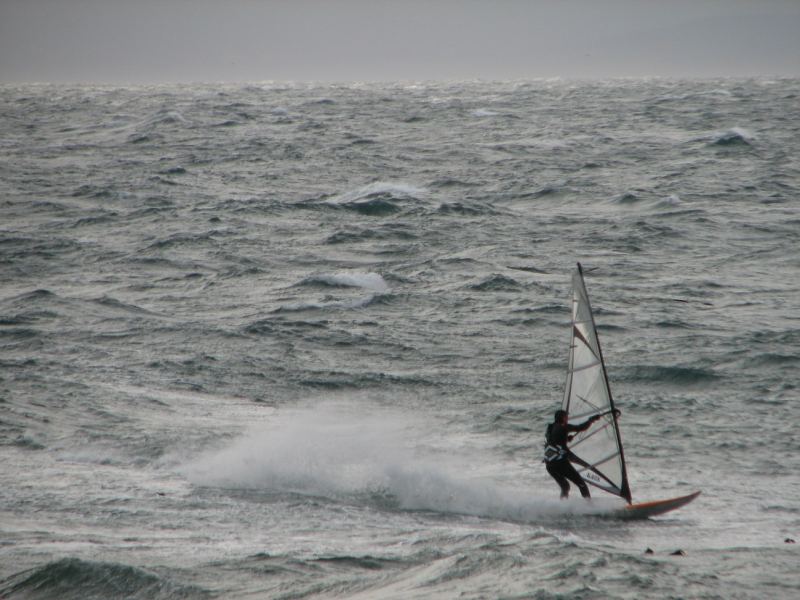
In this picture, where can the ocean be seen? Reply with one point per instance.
(283, 340)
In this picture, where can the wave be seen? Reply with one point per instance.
(701, 96)
(464, 209)
(18, 333)
(527, 269)
(27, 442)
(117, 305)
(165, 117)
(378, 199)
(32, 307)
(18, 363)
(451, 182)
(21, 319)
(184, 239)
(368, 281)
(227, 123)
(673, 201)
(356, 303)
(28, 315)
(769, 359)
(484, 112)
(95, 191)
(549, 309)
(496, 283)
(552, 190)
(359, 380)
(148, 129)
(674, 323)
(40, 258)
(76, 579)
(103, 218)
(34, 296)
(389, 231)
(627, 198)
(372, 282)
(274, 326)
(669, 375)
(733, 137)
(174, 171)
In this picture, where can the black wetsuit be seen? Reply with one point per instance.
(557, 457)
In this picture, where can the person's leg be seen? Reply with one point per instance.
(555, 470)
(570, 473)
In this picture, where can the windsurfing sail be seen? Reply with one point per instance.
(597, 452)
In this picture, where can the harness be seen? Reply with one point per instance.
(552, 452)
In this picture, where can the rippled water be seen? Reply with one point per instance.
(296, 341)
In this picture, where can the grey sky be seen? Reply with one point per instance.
(119, 41)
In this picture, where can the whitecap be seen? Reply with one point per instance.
(733, 136)
(369, 281)
(671, 200)
(368, 192)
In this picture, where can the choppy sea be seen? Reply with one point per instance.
(302, 341)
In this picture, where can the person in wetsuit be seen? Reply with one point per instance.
(556, 453)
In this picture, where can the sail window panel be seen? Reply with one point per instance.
(589, 394)
(583, 355)
(595, 454)
(602, 451)
(596, 449)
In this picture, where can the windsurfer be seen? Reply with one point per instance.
(557, 455)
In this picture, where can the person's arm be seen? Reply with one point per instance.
(583, 426)
(588, 423)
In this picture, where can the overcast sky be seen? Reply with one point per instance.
(121, 41)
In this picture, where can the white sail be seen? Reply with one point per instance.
(597, 452)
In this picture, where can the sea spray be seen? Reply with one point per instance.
(338, 452)
(325, 450)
